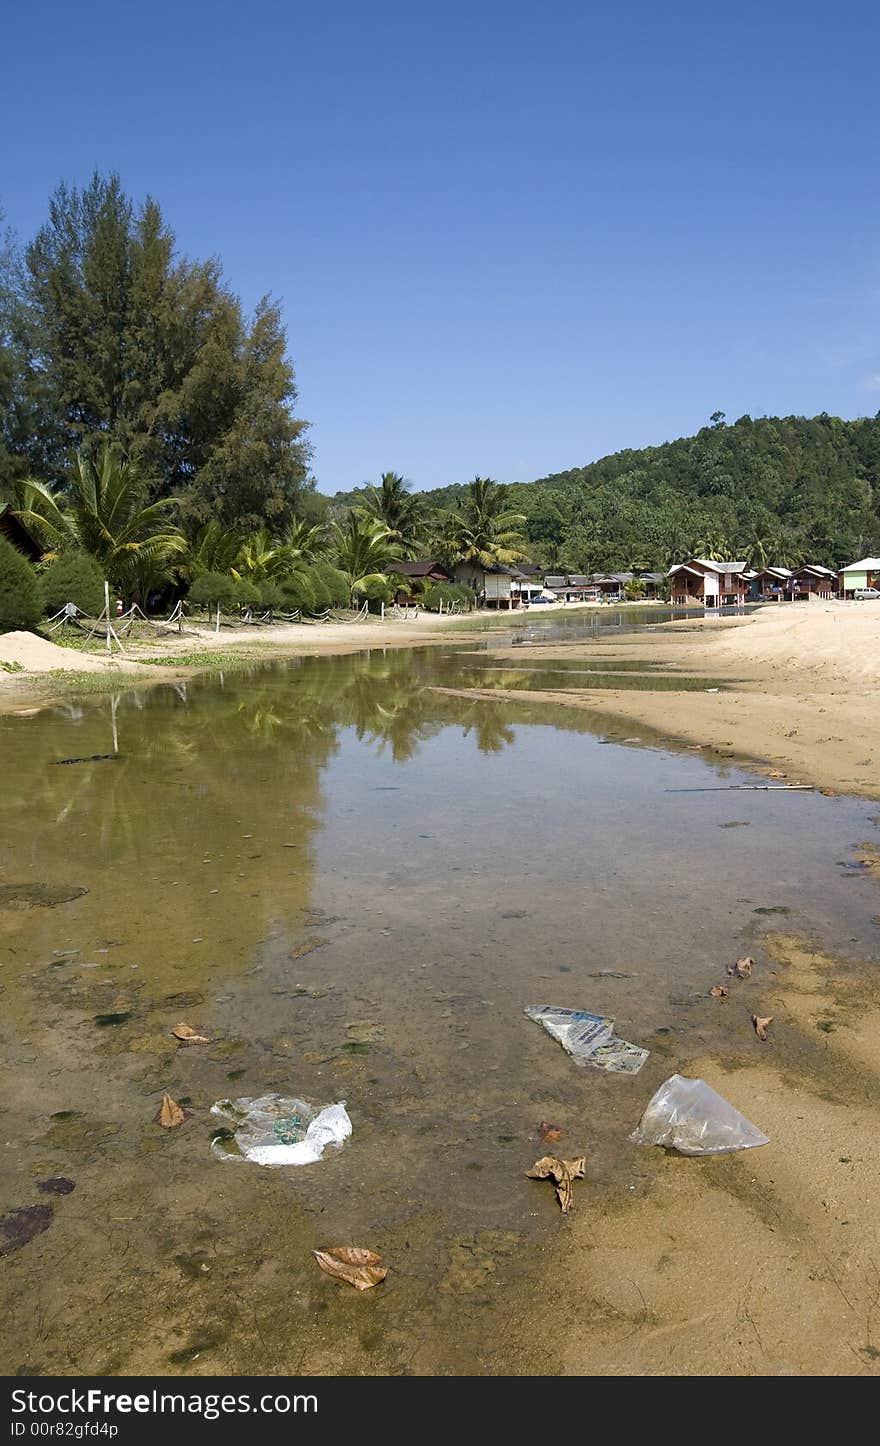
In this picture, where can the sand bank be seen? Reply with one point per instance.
(801, 688)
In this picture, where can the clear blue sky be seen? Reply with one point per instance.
(508, 237)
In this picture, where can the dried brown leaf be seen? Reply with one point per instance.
(718, 991)
(741, 969)
(546, 1132)
(352, 1263)
(563, 1172)
(775, 773)
(762, 1024)
(187, 1035)
(169, 1114)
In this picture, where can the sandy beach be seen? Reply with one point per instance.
(762, 1263)
(800, 688)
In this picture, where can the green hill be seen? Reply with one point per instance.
(784, 487)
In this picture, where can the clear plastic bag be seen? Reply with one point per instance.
(274, 1130)
(589, 1038)
(689, 1116)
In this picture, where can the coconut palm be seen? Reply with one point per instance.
(714, 545)
(365, 551)
(482, 529)
(103, 514)
(393, 504)
(215, 548)
(305, 541)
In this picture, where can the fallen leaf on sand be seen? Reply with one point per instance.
(563, 1172)
(762, 1025)
(169, 1114)
(358, 1266)
(550, 1132)
(718, 991)
(775, 773)
(741, 969)
(187, 1035)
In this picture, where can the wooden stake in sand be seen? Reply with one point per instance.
(112, 635)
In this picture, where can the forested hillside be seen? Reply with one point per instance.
(773, 488)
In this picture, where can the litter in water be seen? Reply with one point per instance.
(361, 1268)
(89, 758)
(589, 1038)
(562, 1172)
(689, 1116)
(273, 1130)
(762, 1024)
(187, 1035)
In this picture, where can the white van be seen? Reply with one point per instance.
(865, 594)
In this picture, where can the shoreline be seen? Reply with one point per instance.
(799, 683)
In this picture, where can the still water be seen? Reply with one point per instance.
(354, 884)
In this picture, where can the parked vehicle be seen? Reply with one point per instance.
(866, 594)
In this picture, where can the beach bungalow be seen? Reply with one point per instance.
(712, 584)
(14, 530)
(494, 586)
(421, 574)
(812, 580)
(769, 584)
(859, 574)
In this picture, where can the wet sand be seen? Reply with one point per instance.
(801, 688)
(760, 1263)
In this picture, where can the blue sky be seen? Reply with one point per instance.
(507, 237)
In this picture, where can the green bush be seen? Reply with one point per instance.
(635, 588)
(245, 592)
(21, 596)
(74, 577)
(271, 595)
(320, 591)
(297, 591)
(335, 583)
(447, 593)
(375, 590)
(213, 588)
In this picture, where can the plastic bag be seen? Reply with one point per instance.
(589, 1038)
(273, 1130)
(689, 1116)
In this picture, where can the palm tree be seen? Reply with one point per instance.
(713, 545)
(305, 541)
(104, 515)
(758, 550)
(215, 548)
(393, 504)
(365, 551)
(481, 530)
(785, 547)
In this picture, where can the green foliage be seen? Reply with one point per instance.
(105, 514)
(245, 592)
(334, 583)
(775, 489)
(105, 331)
(74, 577)
(634, 589)
(213, 549)
(377, 588)
(271, 595)
(21, 597)
(392, 503)
(482, 528)
(298, 592)
(447, 593)
(212, 588)
(364, 550)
